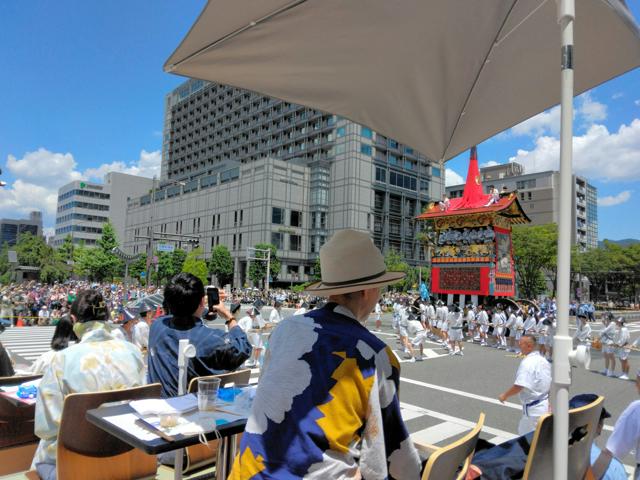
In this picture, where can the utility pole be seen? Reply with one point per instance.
(151, 228)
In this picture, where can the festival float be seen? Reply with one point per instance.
(472, 253)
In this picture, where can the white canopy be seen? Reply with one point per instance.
(439, 76)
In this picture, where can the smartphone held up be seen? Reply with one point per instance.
(213, 299)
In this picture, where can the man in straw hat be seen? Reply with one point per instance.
(327, 403)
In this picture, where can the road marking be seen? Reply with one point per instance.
(438, 433)
(474, 396)
(460, 421)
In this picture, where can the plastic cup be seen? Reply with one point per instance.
(207, 393)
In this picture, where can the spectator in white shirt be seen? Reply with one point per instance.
(275, 316)
(624, 439)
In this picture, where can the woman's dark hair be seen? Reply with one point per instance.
(183, 295)
(63, 334)
(89, 305)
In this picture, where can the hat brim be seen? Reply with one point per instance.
(323, 290)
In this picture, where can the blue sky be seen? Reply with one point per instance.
(83, 87)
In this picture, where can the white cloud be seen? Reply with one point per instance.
(39, 174)
(611, 200)
(598, 154)
(23, 197)
(490, 163)
(43, 167)
(617, 95)
(545, 122)
(452, 178)
(637, 102)
(587, 111)
(147, 165)
(591, 110)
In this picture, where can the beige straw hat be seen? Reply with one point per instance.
(351, 262)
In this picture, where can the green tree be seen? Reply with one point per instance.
(5, 268)
(534, 250)
(258, 268)
(165, 267)
(317, 269)
(66, 249)
(221, 264)
(139, 266)
(34, 252)
(178, 257)
(31, 250)
(99, 263)
(195, 264)
(395, 263)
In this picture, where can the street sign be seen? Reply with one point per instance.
(166, 247)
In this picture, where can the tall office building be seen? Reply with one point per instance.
(83, 207)
(540, 196)
(11, 229)
(294, 175)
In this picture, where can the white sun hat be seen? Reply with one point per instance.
(350, 262)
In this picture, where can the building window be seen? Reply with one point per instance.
(234, 241)
(240, 241)
(435, 172)
(295, 243)
(276, 240)
(393, 160)
(366, 132)
(295, 218)
(340, 132)
(277, 215)
(403, 181)
(529, 196)
(523, 184)
(365, 149)
(381, 175)
(409, 165)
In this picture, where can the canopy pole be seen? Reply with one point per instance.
(562, 343)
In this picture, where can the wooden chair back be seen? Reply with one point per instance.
(199, 456)
(85, 450)
(453, 460)
(583, 425)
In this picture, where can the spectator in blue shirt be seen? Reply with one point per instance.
(216, 351)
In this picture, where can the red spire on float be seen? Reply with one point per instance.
(473, 195)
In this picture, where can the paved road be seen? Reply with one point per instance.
(444, 395)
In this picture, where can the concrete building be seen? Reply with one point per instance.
(11, 229)
(539, 196)
(83, 207)
(227, 151)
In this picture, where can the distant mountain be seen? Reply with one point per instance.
(625, 242)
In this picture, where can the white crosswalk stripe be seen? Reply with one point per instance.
(27, 342)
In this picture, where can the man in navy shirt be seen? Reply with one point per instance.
(217, 351)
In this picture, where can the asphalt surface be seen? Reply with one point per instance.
(443, 395)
